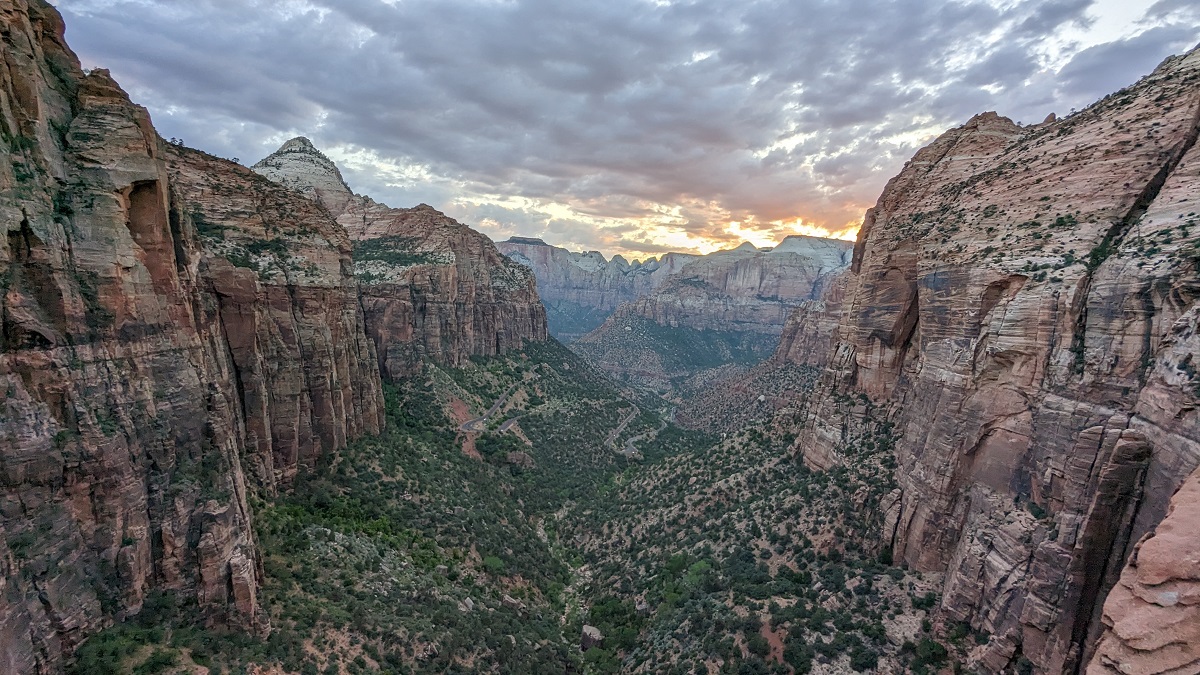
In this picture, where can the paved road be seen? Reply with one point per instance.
(479, 424)
(631, 450)
(611, 441)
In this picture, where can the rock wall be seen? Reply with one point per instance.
(1152, 616)
(175, 334)
(1023, 300)
(431, 287)
(580, 290)
(809, 334)
(725, 307)
(746, 289)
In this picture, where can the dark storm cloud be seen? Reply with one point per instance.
(1122, 59)
(720, 110)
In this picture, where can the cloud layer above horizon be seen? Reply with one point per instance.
(626, 126)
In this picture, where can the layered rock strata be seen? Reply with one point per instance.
(768, 392)
(1023, 303)
(431, 287)
(1152, 616)
(176, 333)
(580, 290)
(726, 306)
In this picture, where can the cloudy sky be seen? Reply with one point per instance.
(630, 126)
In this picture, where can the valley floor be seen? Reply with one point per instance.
(510, 503)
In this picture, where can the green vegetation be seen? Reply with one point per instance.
(395, 250)
(645, 353)
(430, 550)
(730, 546)
(568, 320)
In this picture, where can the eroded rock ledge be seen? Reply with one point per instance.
(1023, 302)
(176, 334)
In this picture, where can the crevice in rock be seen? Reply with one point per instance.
(1102, 543)
(1147, 359)
(907, 327)
(239, 389)
(1117, 232)
(32, 278)
(175, 223)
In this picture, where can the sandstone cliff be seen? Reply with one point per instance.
(431, 287)
(581, 290)
(175, 333)
(1152, 615)
(745, 289)
(1023, 306)
(726, 306)
(775, 390)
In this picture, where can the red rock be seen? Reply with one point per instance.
(1152, 615)
(431, 286)
(149, 384)
(1023, 305)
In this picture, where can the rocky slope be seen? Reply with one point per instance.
(726, 306)
(1023, 306)
(1152, 615)
(580, 290)
(176, 333)
(431, 287)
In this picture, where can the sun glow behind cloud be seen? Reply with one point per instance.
(630, 126)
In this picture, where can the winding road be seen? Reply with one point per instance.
(611, 441)
(630, 450)
(479, 424)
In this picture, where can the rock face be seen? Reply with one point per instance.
(723, 307)
(431, 287)
(580, 290)
(769, 391)
(590, 637)
(1023, 307)
(176, 332)
(808, 336)
(746, 290)
(1152, 615)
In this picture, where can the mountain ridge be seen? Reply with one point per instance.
(431, 287)
(730, 305)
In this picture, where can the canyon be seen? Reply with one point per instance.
(981, 419)
(580, 290)
(726, 307)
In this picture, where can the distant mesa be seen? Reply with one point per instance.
(527, 241)
(582, 289)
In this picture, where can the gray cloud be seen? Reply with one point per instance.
(713, 110)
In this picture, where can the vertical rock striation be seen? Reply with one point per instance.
(580, 290)
(1023, 300)
(729, 306)
(431, 287)
(175, 333)
(1152, 616)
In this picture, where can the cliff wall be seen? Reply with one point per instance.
(431, 286)
(729, 306)
(176, 333)
(1023, 303)
(580, 290)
